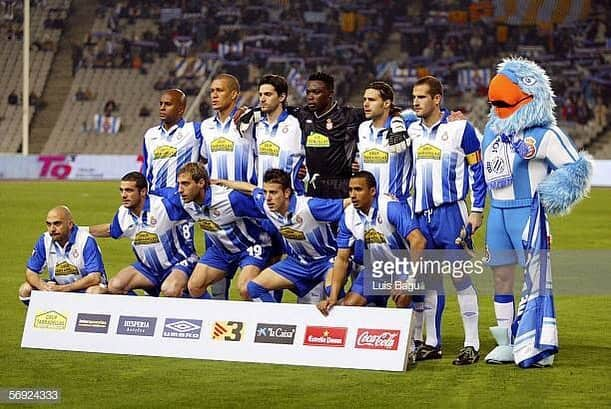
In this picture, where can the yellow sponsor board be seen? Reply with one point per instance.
(269, 148)
(164, 151)
(373, 236)
(145, 237)
(221, 145)
(428, 151)
(317, 140)
(208, 225)
(292, 234)
(65, 268)
(50, 320)
(375, 156)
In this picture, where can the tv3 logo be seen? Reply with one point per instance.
(228, 330)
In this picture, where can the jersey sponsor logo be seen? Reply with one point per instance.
(164, 152)
(372, 236)
(531, 143)
(292, 234)
(269, 148)
(227, 330)
(139, 326)
(385, 339)
(64, 268)
(221, 145)
(145, 237)
(428, 151)
(96, 323)
(325, 336)
(182, 328)
(51, 320)
(275, 334)
(208, 225)
(375, 156)
(317, 140)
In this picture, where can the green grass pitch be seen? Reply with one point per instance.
(579, 377)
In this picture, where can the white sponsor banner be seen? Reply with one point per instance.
(601, 172)
(350, 337)
(68, 167)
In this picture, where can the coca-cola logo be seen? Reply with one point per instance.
(374, 338)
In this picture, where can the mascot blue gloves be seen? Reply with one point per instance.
(532, 169)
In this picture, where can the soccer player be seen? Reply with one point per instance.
(72, 257)
(227, 216)
(376, 223)
(165, 259)
(305, 225)
(446, 155)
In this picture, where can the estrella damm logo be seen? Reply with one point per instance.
(428, 151)
(221, 145)
(145, 237)
(317, 140)
(375, 156)
(164, 152)
(292, 234)
(268, 148)
(227, 330)
(50, 320)
(208, 225)
(372, 236)
(65, 268)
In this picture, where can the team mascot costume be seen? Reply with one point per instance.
(532, 169)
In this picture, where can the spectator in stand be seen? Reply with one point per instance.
(13, 99)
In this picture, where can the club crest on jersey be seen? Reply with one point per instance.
(292, 234)
(268, 148)
(74, 252)
(375, 156)
(152, 221)
(221, 145)
(532, 148)
(329, 124)
(372, 236)
(285, 129)
(428, 151)
(164, 152)
(65, 268)
(145, 237)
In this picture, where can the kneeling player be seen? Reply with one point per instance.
(72, 257)
(378, 224)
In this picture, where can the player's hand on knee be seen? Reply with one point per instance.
(325, 306)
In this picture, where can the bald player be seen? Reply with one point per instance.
(71, 256)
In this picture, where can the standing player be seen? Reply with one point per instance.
(305, 226)
(375, 223)
(446, 155)
(71, 255)
(165, 259)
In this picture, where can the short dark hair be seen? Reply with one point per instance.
(368, 176)
(278, 82)
(234, 83)
(324, 77)
(136, 177)
(435, 86)
(385, 90)
(197, 171)
(277, 176)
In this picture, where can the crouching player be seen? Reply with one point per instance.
(374, 223)
(163, 249)
(305, 226)
(72, 257)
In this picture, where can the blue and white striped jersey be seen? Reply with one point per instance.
(447, 159)
(80, 256)
(157, 241)
(165, 152)
(392, 171)
(228, 155)
(306, 229)
(280, 146)
(228, 217)
(382, 229)
(548, 148)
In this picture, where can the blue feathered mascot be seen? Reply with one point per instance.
(532, 169)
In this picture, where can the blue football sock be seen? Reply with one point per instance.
(257, 292)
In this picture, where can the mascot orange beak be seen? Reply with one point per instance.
(506, 96)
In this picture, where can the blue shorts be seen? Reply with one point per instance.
(303, 276)
(357, 287)
(220, 259)
(504, 235)
(157, 278)
(441, 225)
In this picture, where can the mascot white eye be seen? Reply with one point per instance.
(528, 81)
